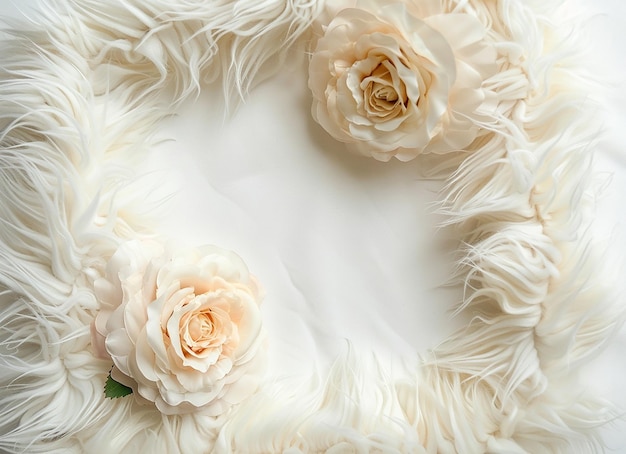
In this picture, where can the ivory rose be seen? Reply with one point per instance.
(392, 81)
(183, 330)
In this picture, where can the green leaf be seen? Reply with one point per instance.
(114, 389)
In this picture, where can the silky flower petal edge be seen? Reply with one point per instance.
(182, 328)
(391, 84)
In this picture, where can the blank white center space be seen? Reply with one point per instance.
(343, 244)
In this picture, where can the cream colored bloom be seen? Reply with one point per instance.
(183, 330)
(389, 83)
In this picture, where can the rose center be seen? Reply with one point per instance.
(202, 330)
(384, 92)
(201, 326)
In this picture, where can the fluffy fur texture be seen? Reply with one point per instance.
(86, 83)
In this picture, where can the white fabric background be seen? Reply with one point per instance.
(342, 244)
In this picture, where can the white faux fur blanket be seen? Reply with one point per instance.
(84, 88)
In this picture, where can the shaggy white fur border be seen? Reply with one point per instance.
(84, 85)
